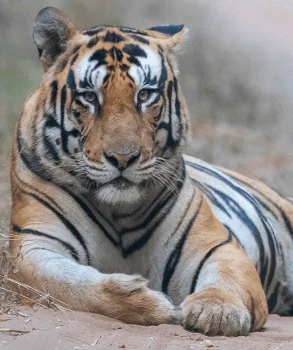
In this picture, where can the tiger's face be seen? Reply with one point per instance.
(115, 108)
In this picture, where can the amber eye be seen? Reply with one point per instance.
(90, 96)
(144, 94)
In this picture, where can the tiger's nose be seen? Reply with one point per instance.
(123, 158)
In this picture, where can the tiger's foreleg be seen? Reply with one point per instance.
(226, 293)
(46, 266)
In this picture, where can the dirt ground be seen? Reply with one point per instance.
(38, 328)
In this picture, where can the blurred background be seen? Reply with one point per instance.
(236, 72)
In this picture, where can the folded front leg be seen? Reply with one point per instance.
(43, 265)
(228, 297)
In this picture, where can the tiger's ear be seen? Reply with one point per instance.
(170, 35)
(51, 32)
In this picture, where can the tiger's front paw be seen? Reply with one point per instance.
(215, 312)
(127, 298)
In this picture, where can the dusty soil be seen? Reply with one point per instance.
(39, 328)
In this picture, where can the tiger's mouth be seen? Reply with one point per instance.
(120, 183)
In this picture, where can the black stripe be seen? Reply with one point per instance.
(39, 192)
(281, 211)
(263, 218)
(256, 197)
(29, 158)
(134, 50)
(156, 210)
(89, 213)
(62, 65)
(273, 299)
(140, 39)
(164, 126)
(255, 231)
(176, 253)
(62, 116)
(170, 140)
(178, 109)
(113, 37)
(169, 94)
(67, 246)
(64, 133)
(74, 51)
(168, 29)
(50, 146)
(274, 244)
(245, 219)
(99, 56)
(74, 58)
(51, 121)
(71, 81)
(234, 235)
(65, 222)
(93, 31)
(129, 30)
(155, 101)
(205, 258)
(93, 42)
(169, 204)
(116, 53)
(54, 91)
(210, 196)
(148, 79)
(35, 169)
(164, 73)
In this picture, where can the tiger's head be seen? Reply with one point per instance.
(112, 106)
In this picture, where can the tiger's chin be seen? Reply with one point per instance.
(119, 193)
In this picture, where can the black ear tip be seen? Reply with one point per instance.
(169, 29)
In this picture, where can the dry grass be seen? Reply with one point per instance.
(12, 292)
(7, 300)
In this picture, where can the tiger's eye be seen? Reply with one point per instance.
(90, 96)
(143, 95)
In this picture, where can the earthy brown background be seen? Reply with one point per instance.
(237, 75)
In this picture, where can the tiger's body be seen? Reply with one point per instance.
(102, 195)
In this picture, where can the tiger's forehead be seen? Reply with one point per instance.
(121, 51)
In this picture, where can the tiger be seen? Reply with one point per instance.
(109, 216)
